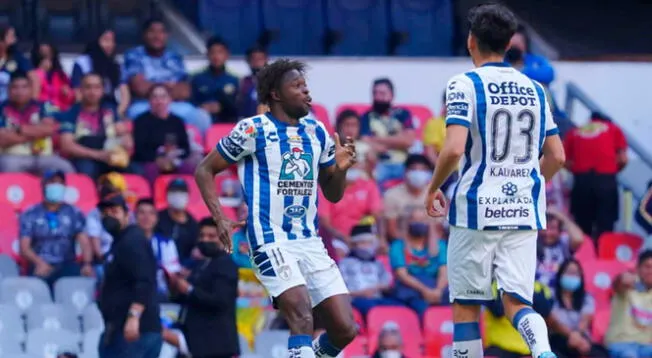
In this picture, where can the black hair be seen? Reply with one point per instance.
(56, 59)
(418, 159)
(384, 81)
(207, 222)
(255, 49)
(580, 294)
(103, 64)
(153, 21)
(345, 114)
(4, 30)
(92, 74)
(270, 77)
(145, 201)
(154, 87)
(18, 75)
(216, 41)
(493, 25)
(644, 256)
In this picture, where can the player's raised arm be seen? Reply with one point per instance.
(335, 160)
(553, 158)
(229, 150)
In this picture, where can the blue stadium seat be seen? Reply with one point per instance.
(428, 24)
(298, 26)
(63, 21)
(361, 25)
(236, 21)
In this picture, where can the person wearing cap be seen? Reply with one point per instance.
(366, 278)
(390, 342)
(176, 222)
(49, 231)
(595, 154)
(128, 299)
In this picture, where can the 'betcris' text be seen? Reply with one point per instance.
(510, 94)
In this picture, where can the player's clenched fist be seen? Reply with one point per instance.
(345, 155)
(436, 204)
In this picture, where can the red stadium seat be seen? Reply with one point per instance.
(357, 348)
(359, 108)
(598, 279)
(620, 246)
(19, 191)
(161, 185)
(322, 114)
(138, 186)
(360, 321)
(407, 321)
(220, 178)
(438, 331)
(215, 133)
(81, 192)
(198, 210)
(600, 324)
(9, 232)
(194, 134)
(586, 251)
(420, 115)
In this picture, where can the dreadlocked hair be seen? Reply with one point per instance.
(270, 77)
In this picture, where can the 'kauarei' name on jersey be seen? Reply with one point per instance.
(509, 117)
(278, 165)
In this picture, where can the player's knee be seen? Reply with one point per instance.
(299, 317)
(349, 332)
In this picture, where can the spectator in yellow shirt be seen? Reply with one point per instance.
(434, 133)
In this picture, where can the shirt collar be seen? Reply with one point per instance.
(496, 64)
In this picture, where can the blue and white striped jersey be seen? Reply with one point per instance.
(509, 117)
(278, 165)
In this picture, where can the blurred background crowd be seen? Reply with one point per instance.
(126, 116)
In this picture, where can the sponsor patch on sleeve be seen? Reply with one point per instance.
(457, 109)
(231, 147)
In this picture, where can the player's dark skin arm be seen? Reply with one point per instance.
(332, 180)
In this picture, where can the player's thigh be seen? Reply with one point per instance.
(277, 269)
(470, 259)
(323, 277)
(515, 264)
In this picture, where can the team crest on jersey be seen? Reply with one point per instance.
(297, 165)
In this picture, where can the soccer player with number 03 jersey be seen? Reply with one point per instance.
(501, 133)
(282, 156)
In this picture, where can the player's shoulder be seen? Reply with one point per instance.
(251, 125)
(460, 79)
(316, 124)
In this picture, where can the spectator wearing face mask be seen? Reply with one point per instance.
(176, 222)
(557, 243)
(419, 264)
(347, 124)
(534, 66)
(366, 278)
(630, 327)
(389, 131)
(48, 232)
(418, 172)
(574, 308)
(390, 342)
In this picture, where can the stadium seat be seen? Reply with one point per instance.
(297, 26)
(272, 343)
(360, 25)
(438, 331)
(356, 349)
(10, 346)
(359, 108)
(600, 324)
(64, 21)
(236, 21)
(19, 191)
(359, 320)
(321, 113)
(427, 24)
(138, 186)
(92, 318)
(161, 184)
(52, 317)
(420, 115)
(24, 292)
(48, 343)
(620, 246)
(75, 292)
(91, 342)
(11, 323)
(195, 137)
(8, 267)
(215, 133)
(586, 252)
(406, 319)
(81, 192)
(598, 279)
(125, 17)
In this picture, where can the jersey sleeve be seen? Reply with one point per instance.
(240, 142)
(327, 157)
(459, 102)
(551, 126)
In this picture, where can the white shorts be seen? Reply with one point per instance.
(283, 265)
(475, 258)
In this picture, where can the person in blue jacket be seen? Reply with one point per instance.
(534, 66)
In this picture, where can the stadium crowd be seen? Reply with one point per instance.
(140, 127)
